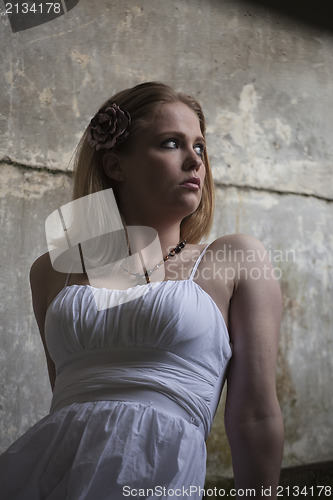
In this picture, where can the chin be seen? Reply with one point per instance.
(191, 208)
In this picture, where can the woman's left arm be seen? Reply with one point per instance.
(253, 417)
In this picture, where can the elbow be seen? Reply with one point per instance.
(263, 432)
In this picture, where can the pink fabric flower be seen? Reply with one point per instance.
(109, 127)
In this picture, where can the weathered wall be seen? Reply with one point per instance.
(266, 86)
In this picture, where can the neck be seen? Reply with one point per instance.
(168, 235)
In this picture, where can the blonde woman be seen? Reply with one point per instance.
(136, 385)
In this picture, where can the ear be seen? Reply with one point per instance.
(112, 167)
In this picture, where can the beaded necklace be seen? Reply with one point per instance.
(148, 272)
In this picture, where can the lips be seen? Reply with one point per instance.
(191, 183)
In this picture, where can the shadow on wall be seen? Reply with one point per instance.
(315, 13)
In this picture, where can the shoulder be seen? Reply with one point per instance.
(40, 271)
(39, 283)
(40, 265)
(238, 241)
(44, 281)
(243, 253)
(244, 264)
(256, 288)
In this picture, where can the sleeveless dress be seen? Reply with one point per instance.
(137, 386)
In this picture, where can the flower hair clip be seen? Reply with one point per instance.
(109, 127)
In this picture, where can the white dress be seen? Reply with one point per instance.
(138, 384)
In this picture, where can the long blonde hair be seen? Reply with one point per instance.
(141, 102)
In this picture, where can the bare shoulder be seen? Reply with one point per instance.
(243, 253)
(222, 267)
(42, 281)
(45, 282)
(242, 264)
(256, 292)
(39, 270)
(41, 265)
(237, 241)
(40, 273)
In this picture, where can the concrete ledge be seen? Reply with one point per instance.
(316, 474)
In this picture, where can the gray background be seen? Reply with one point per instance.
(265, 83)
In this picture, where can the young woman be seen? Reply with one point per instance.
(136, 385)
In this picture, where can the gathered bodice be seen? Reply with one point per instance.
(171, 339)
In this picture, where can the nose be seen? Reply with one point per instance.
(192, 161)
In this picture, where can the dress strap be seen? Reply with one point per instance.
(195, 267)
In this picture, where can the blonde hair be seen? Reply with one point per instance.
(141, 102)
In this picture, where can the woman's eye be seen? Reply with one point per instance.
(199, 149)
(174, 144)
(170, 143)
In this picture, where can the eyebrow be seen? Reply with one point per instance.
(181, 135)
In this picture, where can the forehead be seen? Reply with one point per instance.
(176, 116)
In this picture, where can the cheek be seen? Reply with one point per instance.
(163, 171)
(145, 179)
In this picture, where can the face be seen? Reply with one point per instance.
(162, 177)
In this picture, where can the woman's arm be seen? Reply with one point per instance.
(253, 417)
(39, 274)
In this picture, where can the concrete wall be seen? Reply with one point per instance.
(266, 86)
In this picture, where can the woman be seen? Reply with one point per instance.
(136, 385)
